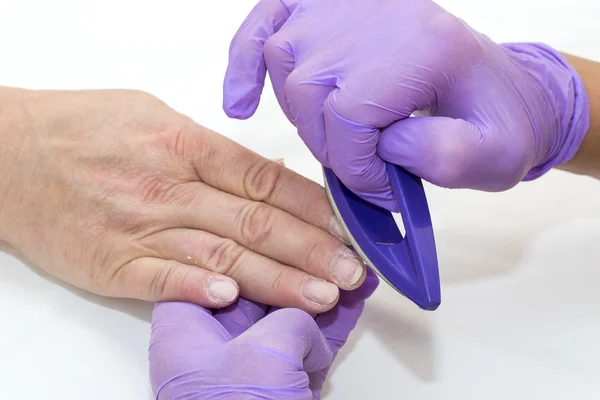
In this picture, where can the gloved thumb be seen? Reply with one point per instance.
(292, 334)
(452, 153)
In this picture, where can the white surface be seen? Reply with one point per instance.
(520, 315)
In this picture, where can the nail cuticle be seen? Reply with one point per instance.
(346, 268)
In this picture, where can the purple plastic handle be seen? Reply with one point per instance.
(409, 264)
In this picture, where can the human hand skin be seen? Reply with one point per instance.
(116, 193)
(248, 350)
(348, 74)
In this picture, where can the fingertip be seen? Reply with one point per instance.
(319, 295)
(235, 114)
(222, 291)
(347, 269)
(244, 80)
(299, 338)
(238, 105)
(170, 282)
(361, 293)
(246, 71)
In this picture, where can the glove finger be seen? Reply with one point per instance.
(454, 153)
(306, 93)
(240, 316)
(175, 322)
(366, 102)
(280, 61)
(177, 329)
(337, 323)
(246, 71)
(352, 152)
(293, 335)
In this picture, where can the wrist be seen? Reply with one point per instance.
(587, 159)
(560, 93)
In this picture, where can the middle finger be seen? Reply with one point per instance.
(271, 232)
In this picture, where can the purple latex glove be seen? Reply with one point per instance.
(248, 350)
(349, 73)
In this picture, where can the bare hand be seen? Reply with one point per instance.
(118, 194)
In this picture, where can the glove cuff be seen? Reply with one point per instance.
(568, 91)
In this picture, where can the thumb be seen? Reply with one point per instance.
(246, 71)
(292, 334)
(452, 153)
(179, 331)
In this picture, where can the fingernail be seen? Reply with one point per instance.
(222, 290)
(319, 291)
(279, 161)
(335, 227)
(347, 269)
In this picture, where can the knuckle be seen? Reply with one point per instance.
(224, 257)
(129, 221)
(255, 223)
(158, 188)
(465, 43)
(317, 256)
(184, 140)
(164, 283)
(444, 24)
(108, 270)
(262, 179)
(178, 141)
(350, 176)
(278, 283)
(293, 84)
(274, 46)
(343, 105)
(359, 174)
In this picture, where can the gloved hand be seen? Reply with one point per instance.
(248, 351)
(349, 73)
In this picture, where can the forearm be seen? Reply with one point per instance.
(587, 160)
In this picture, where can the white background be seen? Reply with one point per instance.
(520, 314)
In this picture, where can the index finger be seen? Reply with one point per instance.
(246, 71)
(246, 174)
